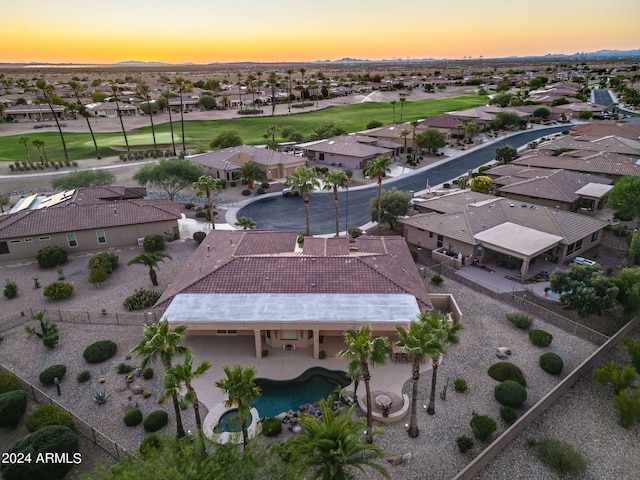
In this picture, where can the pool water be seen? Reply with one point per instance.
(230, 422)
(313, 385)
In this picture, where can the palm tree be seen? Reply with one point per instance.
(24, 140)
(182, 375)
(160, 342)
(367, 351)
(242, 392)
(239, 75)
(76, 88)
(251, 80)
(404, 134)
(402, 100)
(273, 83)
(303, 181)
(378, 167)
(250, 172)
(270, 134)
(334, 180)
(289, 73)
(167, 95)
(150, 259)
(331, 446)
(349, 173)
(206, 186)
(114, 91)
(48, 93)
(393, 106)
(246, 223)
(414, 152)
(39, 144)
(445, 333)
(183, 86)
(144, 92)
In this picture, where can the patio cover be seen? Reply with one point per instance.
(517, 240)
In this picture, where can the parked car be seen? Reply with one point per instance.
(584, 261)
(289, 192)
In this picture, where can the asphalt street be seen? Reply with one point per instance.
(287, 213)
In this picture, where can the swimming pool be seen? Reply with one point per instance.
(229, 422)
(313, 385)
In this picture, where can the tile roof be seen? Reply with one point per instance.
(603, 163)
(349, 145)
(600, 144)
(233, 155)
(605, 129)
(266, 262)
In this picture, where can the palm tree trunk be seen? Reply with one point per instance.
(366, 377)
(173, 141)
(55, 117)
(176, 406)
(184, 148)
(124, 132)
(153, 130)
(306, 210)
(431, 409)
(379, 201)
(153, 276)
(413, 419)
(213, 225)
(335, 199)
(346, 211)
(83, 112)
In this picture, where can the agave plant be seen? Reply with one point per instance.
(101, 397)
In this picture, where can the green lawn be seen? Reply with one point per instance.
(200, 132)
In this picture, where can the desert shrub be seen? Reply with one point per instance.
(551, 363)
(97, 276)
(355, 232)
(13, 404)
(123, 368)
(58, 290)
(260, 191)
(46, 415)
(246, 192)
(508, 414)
(83, 376)
(9, 382)
(482, 426)
(153, 243)
(502, 371)
(562, 457)
(155, 420)
(510, 393)
(265, 185)
(106, 261)
(271, 427)
(437, 280)
(322, 355)
(464, 443)
(540, 338)
(150, 445)
(147, 373)
(10, 289)
(627, 404)
(51, 256)
(99, 351)
(189, 205)
(140, 299)
(133, 417)
(233, 183)
(54, 439)
(199, 237)
(48, 374)
(460, 385)
(520, 320)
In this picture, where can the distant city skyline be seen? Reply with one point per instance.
(201, 31)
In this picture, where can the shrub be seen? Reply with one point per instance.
(355, 232)
(246, 192)
(150, 445)
(123, 368)
(48, 374)
(322, 355)
(271, 427)
(540, 338)
(520, 320)
(106, 261)
(446, 185)
(460, 385)
(99, 351)
(147, 373)
(508, 414)
(189, 205)
(562, 457)
(627, 403)
(97, 276)
(260, 191)
(265, 185)
(233, 183)
(51, 256)
(13, 404)
(54, 439)
(133, 417)
(502, 371)
(437, 280)
(153, 243)
(10, 289)
(155, 420)
(199, 237)
(482, 426)
(551, 363)
(9, 382)
(140, 299)
(414, 255)
(58, 290)
(464, 443)
(83, 376)
(46, 415)
(510, 393)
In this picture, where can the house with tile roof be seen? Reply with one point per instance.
(85, 219)
(263, 284)
(36, 112)
(352, 151)
(474, 227)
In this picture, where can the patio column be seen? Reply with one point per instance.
(257, 334)
(316, 343)
(525, 268)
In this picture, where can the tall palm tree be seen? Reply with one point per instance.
(77, 89)
(349, 173)
(239, 75)
(333, 181)
(167, 95)
(367, 351)
(270, 134)
(150, 259)
(48, 93)
(251, 80)
(242, 392)
(402, 100)
(273, 83)
(418, 342)
(160, 342)
(144, 92)
(289, 73)
(414, 139)
(393, 106)
(331, 446)
(404, 134)
(206, 186)
(39, 144)
(445, 332)
(303, 181)
(24, 140)
(182, 375)
(378, 167)
(114, 94)
(250, 172)
(246, 223)
(182, 86)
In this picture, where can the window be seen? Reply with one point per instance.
(288, 334)
(4, 248)
(101, 236)
(15, 241)
(440, 241)
(578, 245)
(321, 157)
(479, 251)
(44, 238)
(430, 234)
(227, 332)
(27, 240)
(71, 237)
(594, 236)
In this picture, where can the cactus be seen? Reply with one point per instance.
(101, 397)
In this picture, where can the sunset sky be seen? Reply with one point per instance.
(205, 31)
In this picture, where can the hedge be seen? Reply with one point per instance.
(271, 427)
(133, 417)
(502, 371)
(551, 363)
(482, 426)
(510, 393)
(540, 338)
(520, 320)
(153, 243)
(58, 290)
(150, 445)
(9, 382)
(46, 415)
(508, 414)
(155, 420)
(99, 351)
(48, 375)
(13, 404)
(51, 256)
